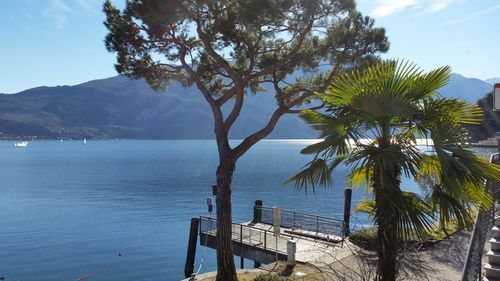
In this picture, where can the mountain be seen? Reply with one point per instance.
(493, 80)
(468, 89)
(480, 92)
(490, 123)
(119, 107)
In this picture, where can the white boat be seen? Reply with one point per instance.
(84, 141)
(21, 144)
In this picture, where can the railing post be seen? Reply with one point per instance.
(242, 260)
(265, 239)
(294, 225)
(257, 211)
(241, 234)
(191, 251)
(347, 210)
(317, 224)
(276, 220)
(291, 249)
(199, 229)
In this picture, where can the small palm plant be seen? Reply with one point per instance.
(371, 122)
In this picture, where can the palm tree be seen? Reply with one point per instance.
(371, 122)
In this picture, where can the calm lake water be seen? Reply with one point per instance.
(120, 210)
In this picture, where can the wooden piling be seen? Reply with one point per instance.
(257, 211)
(191, 251)
(347, 210)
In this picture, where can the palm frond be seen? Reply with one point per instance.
(317, 172)
(449, 111)
(413, 216)
(360, 176)
(426, 85)
(366, 206)
(450, 208)
(430, 167)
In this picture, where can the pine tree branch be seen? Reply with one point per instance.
(235, 112)
(206, 94)
(252, 139)
(207, 43)
(287, 58)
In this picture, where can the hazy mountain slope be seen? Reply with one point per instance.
(119, 107)
(469, 89)
(493, 80)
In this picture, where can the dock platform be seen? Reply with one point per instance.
(256, 240)
(274, 235)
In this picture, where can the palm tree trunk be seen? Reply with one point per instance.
(387, 246)
(226, 270)
(386, 181)
(387, 232)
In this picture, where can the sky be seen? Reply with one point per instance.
(60, 42)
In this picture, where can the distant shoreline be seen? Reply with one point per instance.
(119, 139)
(487, 144)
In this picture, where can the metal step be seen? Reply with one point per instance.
(492, 271)
(490, 279)
(495, 232)
(493, 257)
(497, 221)
(495, 245)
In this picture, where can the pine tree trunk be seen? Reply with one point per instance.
(226, 270)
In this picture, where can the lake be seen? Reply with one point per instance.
(120, 210)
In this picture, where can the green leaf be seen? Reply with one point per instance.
(366, 206)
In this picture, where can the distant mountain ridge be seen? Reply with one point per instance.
(468, 89)
(119, 107)
(493, 80)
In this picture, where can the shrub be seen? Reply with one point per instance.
(268, 277)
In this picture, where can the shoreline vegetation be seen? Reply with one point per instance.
(367, 238)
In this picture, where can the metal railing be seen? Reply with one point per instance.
(484, 220)
(307, 222)
(248, 235)
(473, 263)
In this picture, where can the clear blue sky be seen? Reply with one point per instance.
(60, 42)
